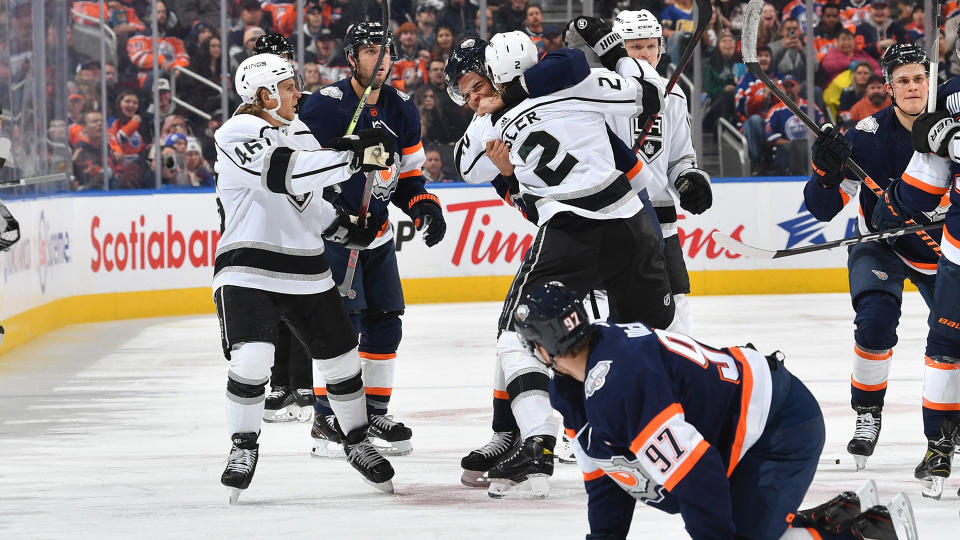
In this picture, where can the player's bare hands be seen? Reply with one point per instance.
(489, 105)
(499, 154)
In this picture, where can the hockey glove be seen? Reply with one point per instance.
(346, 230)
(372, 149)
(9, 229)
(426, 213)
(830, 151)
(693, 186)
(601, 38)
(890, 212)
(932, 133)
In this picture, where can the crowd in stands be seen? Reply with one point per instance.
(849, 40)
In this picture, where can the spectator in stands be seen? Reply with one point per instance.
(436, 128)
(426, 23)
(200, 32)
(720, 81)
(730, 14)
(789, 57)
(677, 23)
(753, 101)
(491, 25)
(174, 124)
(510, 17)
(172, 51)
(311, 77)
(206, 138)
(769, 25)
(787, 134)
(328, 56)
(874, 100)
(206, 63)
(192, 12)
(177, 141)
(313, 22)
(443, 43)
(533, 24)
(251, 14)
(164, 107)
(88, 166)
(914, 27)
(239, 54)
(846, 89)
(460, 15)
(552, 39)
(343, 13)
(172, 170)
(841, 58)
(409, 69)
(125, 124)
(282, 16)
(75, 110)
(879, 31)
(825, 33)
(198, 170)
(456, 117)
(121, 19)
(433, 166)
(74, 57)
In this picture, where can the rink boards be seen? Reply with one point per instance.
(102, 256)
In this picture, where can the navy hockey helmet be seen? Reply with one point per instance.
(900, 54)
(553, 317)
(468, 56)
(367, 33)
(274, 44)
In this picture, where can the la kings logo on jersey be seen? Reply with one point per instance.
(300, 202)
(653, 145)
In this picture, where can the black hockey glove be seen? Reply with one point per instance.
(9, 229)
(347, 231)
(601, 38)
(426, 213)
(932, 133)
(693, 186)
(889, 212)
(372, 149)
(830, 151)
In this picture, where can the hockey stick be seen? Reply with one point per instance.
(34, 180)
(934, 56)
(346, 288)
(751, 26)
(735, 246)
(704, 12)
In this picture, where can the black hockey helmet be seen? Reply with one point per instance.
(274, 44)
(900, 54)
(367, 33)
(469, 55)
(553, 317)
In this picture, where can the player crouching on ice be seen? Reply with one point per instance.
(726, 437)
(270, 264)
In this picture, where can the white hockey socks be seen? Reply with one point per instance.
(246, 385)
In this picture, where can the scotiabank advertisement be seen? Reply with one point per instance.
(118, 243)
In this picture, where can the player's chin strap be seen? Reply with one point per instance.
(897, 105)
(273, 112)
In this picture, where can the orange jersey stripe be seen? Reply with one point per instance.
(570, 433)
(408, 174)
(317, 391)
(747, 377)
(375, 356)
(635, 170)
(868, 387)
(682, 471)
(593, 475)
(872, 356)
(845, 196)
(923, 186)
(941, 406)
(500, 394)
(949, 238)
(939, 365)
(413, 149)
(654, 425)
(377, 391)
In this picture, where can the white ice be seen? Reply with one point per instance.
(117, 430)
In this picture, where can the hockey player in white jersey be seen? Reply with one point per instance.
(270, 264)
(562, 161)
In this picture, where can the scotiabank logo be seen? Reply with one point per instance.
(473, 236)
(139, 248)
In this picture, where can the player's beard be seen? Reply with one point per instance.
(364, 80)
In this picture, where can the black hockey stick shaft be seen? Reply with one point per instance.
(704, 12)
(751, 26)
(735, 246)
(346, 288)
(934, 57)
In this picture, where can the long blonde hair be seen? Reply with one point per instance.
(256, 108)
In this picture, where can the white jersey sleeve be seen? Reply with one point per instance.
(251, 154)
(606, 92)
(470, 152)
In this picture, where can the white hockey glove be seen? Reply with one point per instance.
(372, 149)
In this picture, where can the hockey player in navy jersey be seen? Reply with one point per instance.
(727, 437)
(881, 145)
(378, 304)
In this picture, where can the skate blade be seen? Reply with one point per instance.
(474, 479)
(536, 486)
(396, 448)
(567, 460)
(932, 487)
(861, 462)
(327, 449)
(386, 487)
(234, 494)
(289, 413)
(901, 514)
(868, 494)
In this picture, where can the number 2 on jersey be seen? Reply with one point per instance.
(550, 145)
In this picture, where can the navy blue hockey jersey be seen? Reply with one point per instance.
(881, 146)
(328, 113)
(663, 419)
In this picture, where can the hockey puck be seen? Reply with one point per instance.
(838, 461)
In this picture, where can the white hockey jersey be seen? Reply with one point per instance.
(560, 147)
(272, 211)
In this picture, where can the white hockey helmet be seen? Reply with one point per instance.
(508, 55)
(263, 71)
(638, 25)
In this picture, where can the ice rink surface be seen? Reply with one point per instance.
(116, 430)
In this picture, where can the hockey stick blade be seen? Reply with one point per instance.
(752, 252)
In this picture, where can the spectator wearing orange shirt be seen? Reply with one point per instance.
(840, 59)
(88, 168)
(172, 51)
(875, 98)
(410, 68)
(121, 19)
(826, 32)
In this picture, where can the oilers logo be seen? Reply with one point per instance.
(385, 182)
(653, 145)
(631, 477)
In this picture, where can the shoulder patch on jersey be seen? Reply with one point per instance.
(331, 91)
(632, 478)
(868, 124)
(403, 95)
(597, 377)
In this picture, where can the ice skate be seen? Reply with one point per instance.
(525, 471)
(564, 451)
(284, 405)
(479, 461)
(892, 522)
(837, 514)
(865, 435)
(363, 456)
(241, 464)
(936, 463)
(391, 438)
(326, 437)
